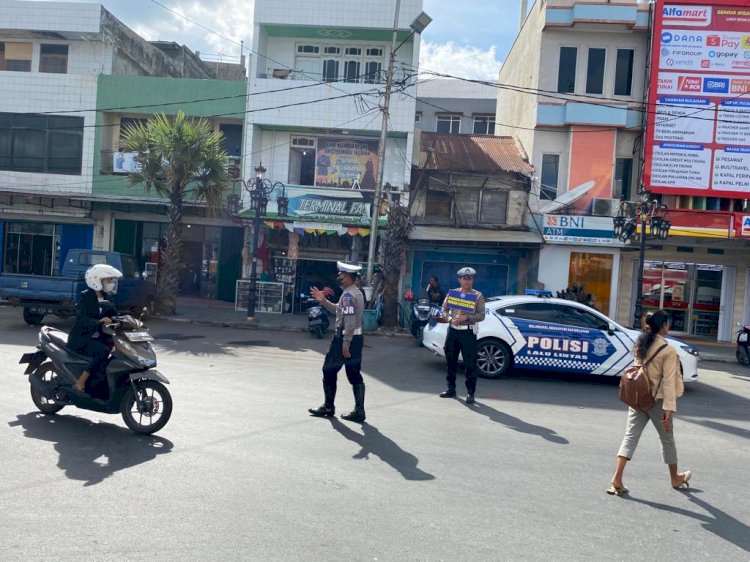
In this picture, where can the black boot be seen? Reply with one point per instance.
(358, 414)
(327, 410)
(449, 392)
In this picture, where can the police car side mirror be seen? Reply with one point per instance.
(611, 329)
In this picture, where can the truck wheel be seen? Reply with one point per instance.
(32, 318)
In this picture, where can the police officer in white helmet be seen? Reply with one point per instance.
(346, 346)
(463, 308)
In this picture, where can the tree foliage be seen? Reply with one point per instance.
(182, 160)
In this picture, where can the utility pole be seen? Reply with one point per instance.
(381, 149)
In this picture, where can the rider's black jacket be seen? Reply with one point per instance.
(89, 311)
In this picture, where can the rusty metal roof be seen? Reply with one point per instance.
(486, 154)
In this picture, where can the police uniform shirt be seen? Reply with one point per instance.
(462, 318)
(349, 312)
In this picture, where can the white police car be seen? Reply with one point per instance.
(551, 334)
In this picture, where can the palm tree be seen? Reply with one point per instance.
(182, 160)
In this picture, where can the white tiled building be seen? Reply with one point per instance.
(323, 54)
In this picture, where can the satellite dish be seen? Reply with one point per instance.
(567, 198)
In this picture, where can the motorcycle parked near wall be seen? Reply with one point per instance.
(135, 389)
(421, 312)
(317, 317)
(743, 345)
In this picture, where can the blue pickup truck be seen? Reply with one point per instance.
(40, 295)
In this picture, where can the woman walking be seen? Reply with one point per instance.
(662, 367)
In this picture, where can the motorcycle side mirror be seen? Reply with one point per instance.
(144, 313)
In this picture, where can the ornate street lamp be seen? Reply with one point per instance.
(655, 225)
(259, 192)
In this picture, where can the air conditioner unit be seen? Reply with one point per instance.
(303, 142)
(601, 207)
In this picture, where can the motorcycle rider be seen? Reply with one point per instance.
(94, 311)
(346, 346)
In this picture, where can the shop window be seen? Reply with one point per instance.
(566, 70)
(623, 177)
(549, 178)
(41, 143)
(494, 207)
(594, 272)
(449, 123)
(330, 70)
(484, 124)
(418, 117)
(373, 72)
(624, 72)
(15, 57)
(31, 248)
(53, 59)
(351, 71)
(439, 205)
(595, 71)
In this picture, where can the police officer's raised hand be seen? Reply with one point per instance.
(317, 294)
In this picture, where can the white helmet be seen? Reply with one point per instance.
(96, 273)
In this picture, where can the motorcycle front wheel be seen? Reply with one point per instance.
(151, 411)
(46, 373)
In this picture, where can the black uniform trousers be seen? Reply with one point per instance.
(462, 342)
(335, 360)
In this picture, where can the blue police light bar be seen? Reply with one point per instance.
(538, 293)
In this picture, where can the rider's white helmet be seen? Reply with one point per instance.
(96, 273)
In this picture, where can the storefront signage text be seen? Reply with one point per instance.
(571, 229)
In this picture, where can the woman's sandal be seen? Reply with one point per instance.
(617, 490)
(686, 476)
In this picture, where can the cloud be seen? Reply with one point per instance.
(458, 60)
(226, 32)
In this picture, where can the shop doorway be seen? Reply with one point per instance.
(690, 293)
(315, 273)
(31, 248)
(302, 166)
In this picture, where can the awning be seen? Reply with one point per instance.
(474, 235)
(318, 228)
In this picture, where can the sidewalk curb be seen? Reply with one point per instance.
(268, 327)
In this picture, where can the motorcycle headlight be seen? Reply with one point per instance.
(691, 350)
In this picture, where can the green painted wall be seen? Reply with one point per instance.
(222, 99)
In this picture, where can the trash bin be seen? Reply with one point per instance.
(369, 320)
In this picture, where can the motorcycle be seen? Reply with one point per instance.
(317, 317)
(743, 344)
(135, 389)
(421, 312)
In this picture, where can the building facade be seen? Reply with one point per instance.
(72, 75)
(446, 105)
(580, 69)
(317, 77)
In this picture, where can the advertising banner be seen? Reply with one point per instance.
(342, 162)
(314, 204)
(698, 138)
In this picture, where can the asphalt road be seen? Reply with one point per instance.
(241, 472)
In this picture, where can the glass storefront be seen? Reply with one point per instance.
(594, 272)
(689, 292)
(31, 248)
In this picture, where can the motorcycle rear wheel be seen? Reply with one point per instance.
(47, 374)
(156, 411)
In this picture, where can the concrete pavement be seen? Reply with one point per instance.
(222, 314)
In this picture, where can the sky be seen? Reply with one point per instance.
(468, 38)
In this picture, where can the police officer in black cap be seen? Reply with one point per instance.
(464, 308)
(346, 346)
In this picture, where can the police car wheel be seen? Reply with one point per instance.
(493, 358)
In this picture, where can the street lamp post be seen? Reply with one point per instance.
(259, 192)
(417, 26)
(654, 225)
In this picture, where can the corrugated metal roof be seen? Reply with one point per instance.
(485, 154)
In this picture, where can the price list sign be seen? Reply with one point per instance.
(698, 137)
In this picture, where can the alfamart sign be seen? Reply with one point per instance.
(573, 229)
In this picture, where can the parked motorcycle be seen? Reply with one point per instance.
(421, 312)
(743, 345)
(135, 389)
(317, 317)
